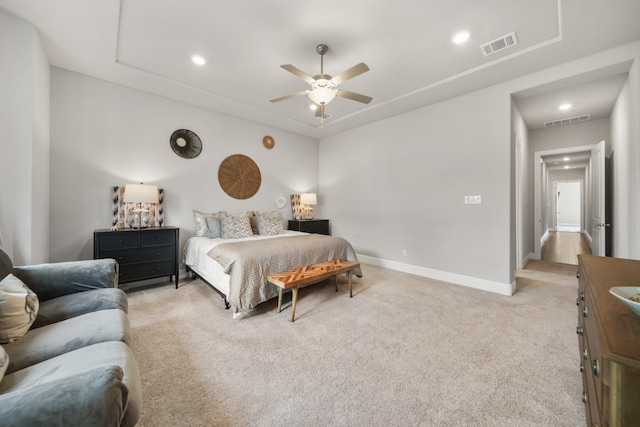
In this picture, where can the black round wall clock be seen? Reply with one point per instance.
(185, 143)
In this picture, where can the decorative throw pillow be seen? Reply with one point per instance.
(253, 220)
(18, 308)
(207, 224)
(270, 223)
(235, 226)
(4, 362)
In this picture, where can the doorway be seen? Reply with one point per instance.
(568, 202)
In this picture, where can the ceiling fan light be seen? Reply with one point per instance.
(322, 96)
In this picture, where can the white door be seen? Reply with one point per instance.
(568, 206)
(597, 200)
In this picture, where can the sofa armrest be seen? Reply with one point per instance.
(63, 278)
(97, 397)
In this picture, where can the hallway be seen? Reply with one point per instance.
(563, 247)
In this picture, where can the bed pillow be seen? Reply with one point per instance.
(253, 220)
(269, 223)
(4, 362)
(235, 226)
(207, 224)
(18, 309)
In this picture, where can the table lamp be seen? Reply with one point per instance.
(139, 194)
(306, 200)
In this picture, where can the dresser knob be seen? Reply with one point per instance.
(580, 330)
(585, 355)
(584, 311)
(582, 295)
(581, 367)
(119, 241)
(584, 397)
(577, 274)
(596, 367)
(578, 301)
(157, 253)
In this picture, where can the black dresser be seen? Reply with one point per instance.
(317, 226)
(144, 253)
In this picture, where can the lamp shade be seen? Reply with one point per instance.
(308, 199)
(140, 193)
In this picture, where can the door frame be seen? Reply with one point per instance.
(537, 190)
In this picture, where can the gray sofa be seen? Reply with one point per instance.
(74, 366)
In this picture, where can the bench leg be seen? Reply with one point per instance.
(349, 277)
(280, 300)
(293, 307)
(335, 282)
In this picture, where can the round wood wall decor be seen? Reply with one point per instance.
(268, 142)
(239, 176)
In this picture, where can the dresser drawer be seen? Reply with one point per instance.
(146, 270)
(121, 240)
(159, 237)
(130, 256)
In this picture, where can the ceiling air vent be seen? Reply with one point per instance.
(567, 121)
(499, 44)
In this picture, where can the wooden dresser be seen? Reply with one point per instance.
(609, 339)
(144, 253)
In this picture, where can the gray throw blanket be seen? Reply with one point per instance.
(249, 262)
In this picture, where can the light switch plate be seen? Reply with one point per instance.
(472, 200)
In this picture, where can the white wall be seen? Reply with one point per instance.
(625, 137)
(104, 134)
(523, 176)
(400, 184)
(24, 148)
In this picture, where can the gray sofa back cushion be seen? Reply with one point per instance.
(6, 266)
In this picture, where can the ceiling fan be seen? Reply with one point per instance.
(324, 87)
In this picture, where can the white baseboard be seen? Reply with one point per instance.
(458, 279)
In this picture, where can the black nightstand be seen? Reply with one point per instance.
(317, 226)
(144, 253)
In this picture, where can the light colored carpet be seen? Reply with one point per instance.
(404, 350)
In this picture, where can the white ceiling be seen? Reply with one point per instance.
(147, 44)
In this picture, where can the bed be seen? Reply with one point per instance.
(238, 268)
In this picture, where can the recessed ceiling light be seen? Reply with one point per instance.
(565, 106)
(566, 167)
(566, 159)
(198, 60)
(460, 37)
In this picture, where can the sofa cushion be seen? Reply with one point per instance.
(91, 398)
(66, 371)
(4, 362)
(18, 308)
(62, 337)
(63, 278)
(68, 306)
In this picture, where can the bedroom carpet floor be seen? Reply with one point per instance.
(405, 350)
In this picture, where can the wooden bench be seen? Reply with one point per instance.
(311, 273)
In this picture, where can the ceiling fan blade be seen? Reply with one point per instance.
(319, 110)
(356, 70)
(291, 95)
(298, 72)
(354, 96)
